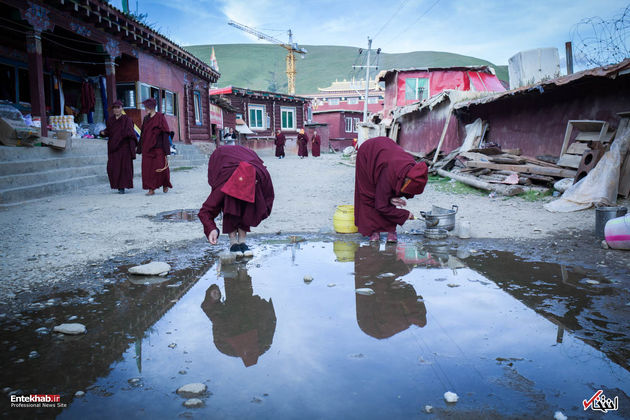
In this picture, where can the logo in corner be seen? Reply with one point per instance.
(599, 402)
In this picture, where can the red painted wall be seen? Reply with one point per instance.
(337, 124)
(420, 131)
(536, 123)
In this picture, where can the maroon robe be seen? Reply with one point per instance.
(381, 167)
(302, 141)
(237, 214)
(155, 171)
(121, 151)
(317, 141)
(279, 142)
(394, 306)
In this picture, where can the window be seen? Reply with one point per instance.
(348, 125)
(416, 89)
(256, 113)
(353, 101)
(239, 116)
(168, 102)
(356, 124)
(373, 100)
(287, 118)
(148, 91)
(126, 93)
(198, 109)
(333, 101)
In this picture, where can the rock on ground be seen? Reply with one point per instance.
(154, 268)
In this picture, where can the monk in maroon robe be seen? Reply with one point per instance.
(316, 142)
(384, 174)
(279, 142)
(121, 149)
(241, 190)
(154, 146)
(302, 141)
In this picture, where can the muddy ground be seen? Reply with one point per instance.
(49, 244)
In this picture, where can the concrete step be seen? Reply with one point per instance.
(43, 177)
(37, 191)
(41, 165)
(28, 174)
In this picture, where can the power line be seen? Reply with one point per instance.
(400, 6)
(414, 22)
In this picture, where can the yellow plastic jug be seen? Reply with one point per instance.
(343, 219)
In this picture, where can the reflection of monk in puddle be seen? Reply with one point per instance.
(243, 324)
(394, 306)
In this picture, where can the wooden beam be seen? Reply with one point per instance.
(507, 190)
(539, 170)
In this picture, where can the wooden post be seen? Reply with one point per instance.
(569, 53)
(36, 78)
(110, 77)
(439, 146)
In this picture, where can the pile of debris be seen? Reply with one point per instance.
(486, 166)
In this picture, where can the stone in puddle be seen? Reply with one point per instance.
(428, 409)
(71, 329)
(79, 394)
(192, 390)
(154, 268)
(308, 279)
(450, 397)
(559, 416)
(193, 403)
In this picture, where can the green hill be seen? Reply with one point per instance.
(262, 67)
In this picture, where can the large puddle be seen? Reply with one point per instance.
(512, 338)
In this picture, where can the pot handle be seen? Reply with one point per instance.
(455, 207)
(423, 215)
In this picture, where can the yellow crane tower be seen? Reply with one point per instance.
(291, 47)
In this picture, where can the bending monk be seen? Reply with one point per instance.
(241, 189)
(384, 174)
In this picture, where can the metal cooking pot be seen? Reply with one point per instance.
(440, 217)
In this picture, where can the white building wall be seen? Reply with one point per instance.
(530, 67)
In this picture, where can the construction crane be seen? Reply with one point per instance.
(291, 47)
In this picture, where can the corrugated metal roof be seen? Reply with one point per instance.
(612, 71)
(487, 69)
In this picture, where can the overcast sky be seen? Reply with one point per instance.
(493, 30)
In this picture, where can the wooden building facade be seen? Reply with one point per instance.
(53, 52)
(263, 112)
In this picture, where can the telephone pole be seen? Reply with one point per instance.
(367, 78)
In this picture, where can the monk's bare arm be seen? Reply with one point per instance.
(210, 210)
(383, 205)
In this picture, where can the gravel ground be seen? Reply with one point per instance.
(44, 242)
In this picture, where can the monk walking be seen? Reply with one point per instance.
(302, 141)
(384, 174)
(154, 146)
(316, 142)
(279, 142)
(241, 190)
(121, 149)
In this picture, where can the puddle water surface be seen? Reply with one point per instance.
(510, 337)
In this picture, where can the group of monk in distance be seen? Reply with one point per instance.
(242, 189)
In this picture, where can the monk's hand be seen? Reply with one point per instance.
(411, 216)
(398, 202)
(213, 237)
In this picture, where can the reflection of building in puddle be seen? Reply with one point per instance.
(243, 324)
(394, 306)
